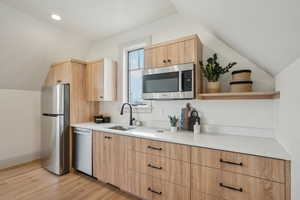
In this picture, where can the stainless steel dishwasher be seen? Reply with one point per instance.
(83, 150)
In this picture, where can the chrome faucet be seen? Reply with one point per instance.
(122, 111)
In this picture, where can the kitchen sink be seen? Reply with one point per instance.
(121, 128)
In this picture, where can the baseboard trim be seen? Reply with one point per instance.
(18, 160)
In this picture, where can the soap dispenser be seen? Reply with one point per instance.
(197, 127)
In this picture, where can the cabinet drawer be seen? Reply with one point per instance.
(163, 149)
(138, 184)
(230, 186)
(196, 195)
(169, 191)
(150, 188)
(257, 166)
(174, 171)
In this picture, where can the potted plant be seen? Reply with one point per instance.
(173, 123)
(212, 71)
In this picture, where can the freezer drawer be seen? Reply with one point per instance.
(83, 151)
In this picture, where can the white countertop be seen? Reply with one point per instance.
(266, 147)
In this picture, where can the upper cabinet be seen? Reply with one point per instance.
(180, 51)
(101, 80)
(59, 73)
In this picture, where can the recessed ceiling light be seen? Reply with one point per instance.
(56, 17)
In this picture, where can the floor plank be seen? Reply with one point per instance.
(31, 182)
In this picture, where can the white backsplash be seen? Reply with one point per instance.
(238, 117)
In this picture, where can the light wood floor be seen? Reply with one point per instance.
(31, 182)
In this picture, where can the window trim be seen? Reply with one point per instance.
(139, 44)
(128, 82)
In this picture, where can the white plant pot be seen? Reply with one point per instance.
(173, 129)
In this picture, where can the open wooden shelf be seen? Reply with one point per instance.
(246, 95)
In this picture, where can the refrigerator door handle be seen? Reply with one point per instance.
(52, 115)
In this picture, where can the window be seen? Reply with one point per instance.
(135, 76)
(132, 74)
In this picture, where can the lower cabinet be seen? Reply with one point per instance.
(174, 171)
(231, 186)
(196, 195)
(109, 158)
(150, 188)
(164, 171)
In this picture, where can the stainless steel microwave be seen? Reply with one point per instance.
(174, 82)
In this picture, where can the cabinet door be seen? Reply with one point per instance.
(189, 51)
(149, 59)
(161, 56)
(163, 190)
(117, 161)
(59, 73)
(95, 86)
(230, 186)
(100, 156)
(173, 54)
(63, 73)
(109, 158)
(139, 184)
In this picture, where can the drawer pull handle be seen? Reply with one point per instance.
(153, 191)
(231, 188)
(154, 148)
(107, 137)
(154, 167)
(231, 163)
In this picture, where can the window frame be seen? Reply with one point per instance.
(146, 107)
(128, 79)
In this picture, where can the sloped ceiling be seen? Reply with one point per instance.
(265, 31)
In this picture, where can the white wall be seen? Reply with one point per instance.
(20, 126)
(28, 47)
(287, 122)
(238, 117)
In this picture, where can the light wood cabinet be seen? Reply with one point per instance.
(164, 149)
(180, 51)
(173, 54)
(267, 168)
(150, 188)
(174, 171)
(161, 56)
(109, 158)
(196, 195)
(139, 184)
(101, 80)
(61, 73)
(189, 53)
(155, 170)
(149, 58)
(231, 186)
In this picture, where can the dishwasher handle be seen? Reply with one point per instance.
(86, 132)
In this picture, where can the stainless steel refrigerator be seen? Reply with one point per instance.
(55, 128)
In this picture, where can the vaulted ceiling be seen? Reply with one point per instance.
(264, 31)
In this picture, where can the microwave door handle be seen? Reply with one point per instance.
(180, 81)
